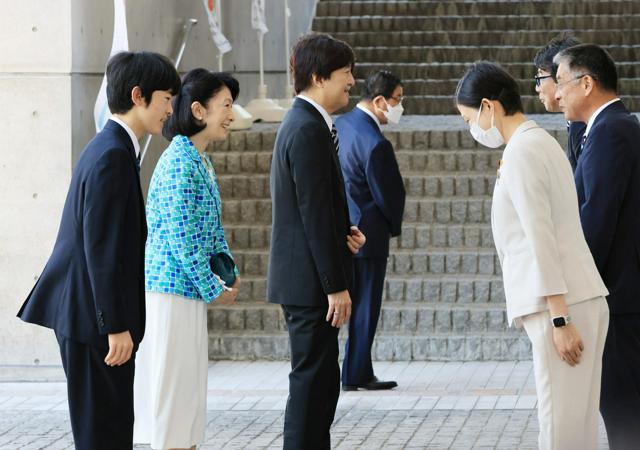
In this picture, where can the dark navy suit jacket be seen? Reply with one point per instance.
(309, 257)
(608, 183)
(374, 186)
(93, 283)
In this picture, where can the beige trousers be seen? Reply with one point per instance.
(569, 397)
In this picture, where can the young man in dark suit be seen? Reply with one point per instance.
(608, 183)
(546, 89)
(376, 196)
(311, 240)
(91, 292)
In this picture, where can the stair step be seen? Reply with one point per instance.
(332, 24)
(415, 261)
(394, 318)
(463, 184)
(444, 70)
(441, 8)
(422, 86)
(386, 347)
(414, 235)
(444, 210)
(423, 288)
(537, 38)
(408, 54)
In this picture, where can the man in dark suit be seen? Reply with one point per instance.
(546, 89)
(91, 292)
(608, 183)
(311, 241)
(376, 195)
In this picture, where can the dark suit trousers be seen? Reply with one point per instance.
(620, 392)
(100, 397)
(314, 381)
(366, 297)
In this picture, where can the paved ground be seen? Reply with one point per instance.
(437, 406)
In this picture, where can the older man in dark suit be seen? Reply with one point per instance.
(608, 183)
(91, 292)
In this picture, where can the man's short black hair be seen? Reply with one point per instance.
(198, 85)
(544, 58)
(382, 83)
(484, 79)
(150, 71)
(593, 60)
(318, 54)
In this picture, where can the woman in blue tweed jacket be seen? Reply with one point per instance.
(185, 230)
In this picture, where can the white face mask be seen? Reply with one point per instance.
(393, 113)
(490, 138)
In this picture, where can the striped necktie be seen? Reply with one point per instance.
(334, 136)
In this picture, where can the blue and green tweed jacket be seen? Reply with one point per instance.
(185, 224)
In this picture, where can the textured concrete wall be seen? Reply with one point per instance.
(35, 168)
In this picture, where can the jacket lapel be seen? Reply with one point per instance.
(124, 138)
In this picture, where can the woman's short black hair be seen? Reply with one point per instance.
(593, 60)
(318, 54)
(198, 85)
(148, 70)
(484, 79)
(382, 83)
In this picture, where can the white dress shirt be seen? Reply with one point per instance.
(132, 135)
(536, 226)
(325, 114)
(595, 114)
(369, 113)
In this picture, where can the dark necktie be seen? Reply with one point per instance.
(334, 136)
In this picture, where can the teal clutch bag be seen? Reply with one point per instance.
(223, 266)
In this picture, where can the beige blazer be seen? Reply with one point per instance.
(536, 226)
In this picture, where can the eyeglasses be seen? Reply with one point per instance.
(398, 99)
(577, 77)
(539, 78)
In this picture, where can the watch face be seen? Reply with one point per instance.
(559, 322)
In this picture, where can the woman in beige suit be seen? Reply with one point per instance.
(551, 283)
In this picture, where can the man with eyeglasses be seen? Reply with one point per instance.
(608, 183)
(376, 196)
(546, 89)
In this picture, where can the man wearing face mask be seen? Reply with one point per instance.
(376, 196)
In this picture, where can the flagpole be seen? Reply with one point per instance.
(188, 26)
(261, 107)
(242, 119)
(287, 101)
(219, 14)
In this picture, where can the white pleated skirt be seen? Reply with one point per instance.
(170, 386)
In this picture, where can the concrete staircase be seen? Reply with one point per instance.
(429, 43)
(443, 296)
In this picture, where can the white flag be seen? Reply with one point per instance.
(218, 38)
(258, 20)
(120, 43)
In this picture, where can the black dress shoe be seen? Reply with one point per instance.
(373, 385)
